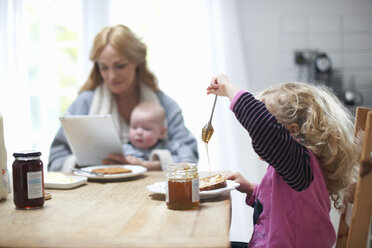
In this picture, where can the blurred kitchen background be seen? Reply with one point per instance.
(44, 59)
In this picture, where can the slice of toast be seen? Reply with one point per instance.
(112, 170)
(212, 182)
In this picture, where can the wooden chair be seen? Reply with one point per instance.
(353, 232)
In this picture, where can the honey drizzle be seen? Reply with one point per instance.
(209, 163)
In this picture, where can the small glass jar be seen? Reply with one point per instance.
(28, 180)
(182, 186)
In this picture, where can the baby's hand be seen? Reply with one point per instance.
(133, 160)
(114, 159)
(150, 165)
(222, 86)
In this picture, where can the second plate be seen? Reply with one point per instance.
(136, 170)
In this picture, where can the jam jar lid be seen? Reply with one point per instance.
(27, 153)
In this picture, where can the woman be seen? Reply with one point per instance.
(119, 81)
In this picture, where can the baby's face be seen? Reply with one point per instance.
(145, 130)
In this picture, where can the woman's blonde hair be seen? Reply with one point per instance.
(325, 127)
(125, 41)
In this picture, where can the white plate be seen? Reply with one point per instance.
(58, 180)
(136, 170)
(159, 188)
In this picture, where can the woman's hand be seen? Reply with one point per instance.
(245, 185)
(222, 86)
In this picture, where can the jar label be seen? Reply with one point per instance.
(34, 185)
(195, 190)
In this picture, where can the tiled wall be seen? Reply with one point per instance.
(347, 39)
(273, 30)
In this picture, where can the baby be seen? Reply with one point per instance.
(147, 128)
(147, 125)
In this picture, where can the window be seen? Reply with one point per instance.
(50, 43)
(44, 71)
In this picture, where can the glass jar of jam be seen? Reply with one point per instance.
(182, 186)
(28, 180)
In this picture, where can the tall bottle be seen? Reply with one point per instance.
(4, 178)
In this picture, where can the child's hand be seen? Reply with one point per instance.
(222, 86)
(245, 185)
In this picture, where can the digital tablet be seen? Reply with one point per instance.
(91, 137)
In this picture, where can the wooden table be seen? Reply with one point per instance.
(115, 214)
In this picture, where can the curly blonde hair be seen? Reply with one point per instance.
(325, 127)
(125, 41)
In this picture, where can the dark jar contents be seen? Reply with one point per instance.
(28, 180)
(182, 189)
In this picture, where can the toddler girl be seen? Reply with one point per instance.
(306, 136)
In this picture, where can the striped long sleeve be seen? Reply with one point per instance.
(273, 142)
